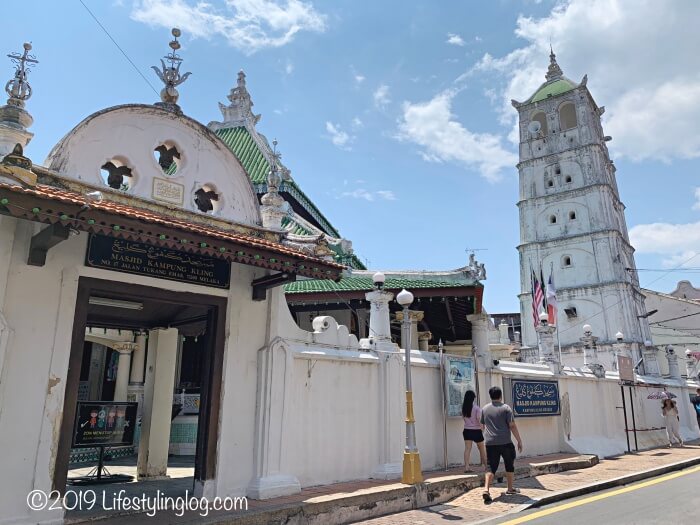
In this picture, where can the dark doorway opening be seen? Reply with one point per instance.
(200, 323)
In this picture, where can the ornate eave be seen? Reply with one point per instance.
(154, 224)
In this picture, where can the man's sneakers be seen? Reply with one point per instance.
(487, 497)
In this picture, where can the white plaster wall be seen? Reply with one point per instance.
(131, 133)
(333, 427)
(39, 305)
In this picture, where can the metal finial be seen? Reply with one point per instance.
(170, 75)
(553, 71)
(18, 88)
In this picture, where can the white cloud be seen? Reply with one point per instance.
(696, 206)
(381, 96)
(675, 242)
(289, 67)
(387, 195)
(248, 25)
(454, 40)
(357, 123)
(686, 259)
(432, 126)
(642, 64)
(359, 79)
(370, 196)
(478, 39)
(338, 137)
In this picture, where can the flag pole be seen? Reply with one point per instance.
(561, 362)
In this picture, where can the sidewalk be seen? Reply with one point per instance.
(336, 503)
(450, 495)
(547, 488)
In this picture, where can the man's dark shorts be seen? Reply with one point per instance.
(494, 453)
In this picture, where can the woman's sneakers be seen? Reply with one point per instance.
(487, 497)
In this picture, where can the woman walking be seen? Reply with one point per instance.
(471, 413)
(670, 413)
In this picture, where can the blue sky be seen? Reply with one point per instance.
(394, 117)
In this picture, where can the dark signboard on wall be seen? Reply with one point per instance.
(535, 398)
(109, 423)
(144, 259)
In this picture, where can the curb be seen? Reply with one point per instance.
(611, 483)
(400, 498)
(371, 503)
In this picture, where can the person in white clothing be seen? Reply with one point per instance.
(672, 420)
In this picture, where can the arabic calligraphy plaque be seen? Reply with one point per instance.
(167, 191)
(145, 259)
(535, 398)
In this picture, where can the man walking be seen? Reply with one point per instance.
(497, 423)
(696, 404)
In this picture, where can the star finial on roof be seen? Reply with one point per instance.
(553, 71)
(170, 75)
(18, 87)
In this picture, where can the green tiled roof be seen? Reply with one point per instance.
(552, 89)
(364, 284)
(296, 228)
(244, 147)
(255, 164)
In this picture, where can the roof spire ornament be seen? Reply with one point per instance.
(273, 209)
(18, 88)
(170, 75)
(240, 111)
(553, 71)
(14, 119)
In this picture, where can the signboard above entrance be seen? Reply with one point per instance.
(144, 259)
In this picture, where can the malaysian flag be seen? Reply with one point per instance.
(537, 299)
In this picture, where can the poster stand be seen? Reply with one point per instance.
(103, 424)
(100, 475)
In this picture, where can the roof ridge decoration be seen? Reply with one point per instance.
(240, 111)
(15, 167)
(170, 75)
(273, 208)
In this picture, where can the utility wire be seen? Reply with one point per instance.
(119, 48)
(675, 318)
(620, 301)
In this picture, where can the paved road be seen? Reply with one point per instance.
(669, 499)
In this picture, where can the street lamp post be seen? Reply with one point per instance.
(411, 459)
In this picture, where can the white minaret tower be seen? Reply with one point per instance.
(572, 222)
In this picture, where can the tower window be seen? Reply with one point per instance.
(550, 183)
(542, 119)
(567, 116)
(572, 215)
(552, 219)
(571, 312)
(567, 179)
(566, 261)
(557, 170)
